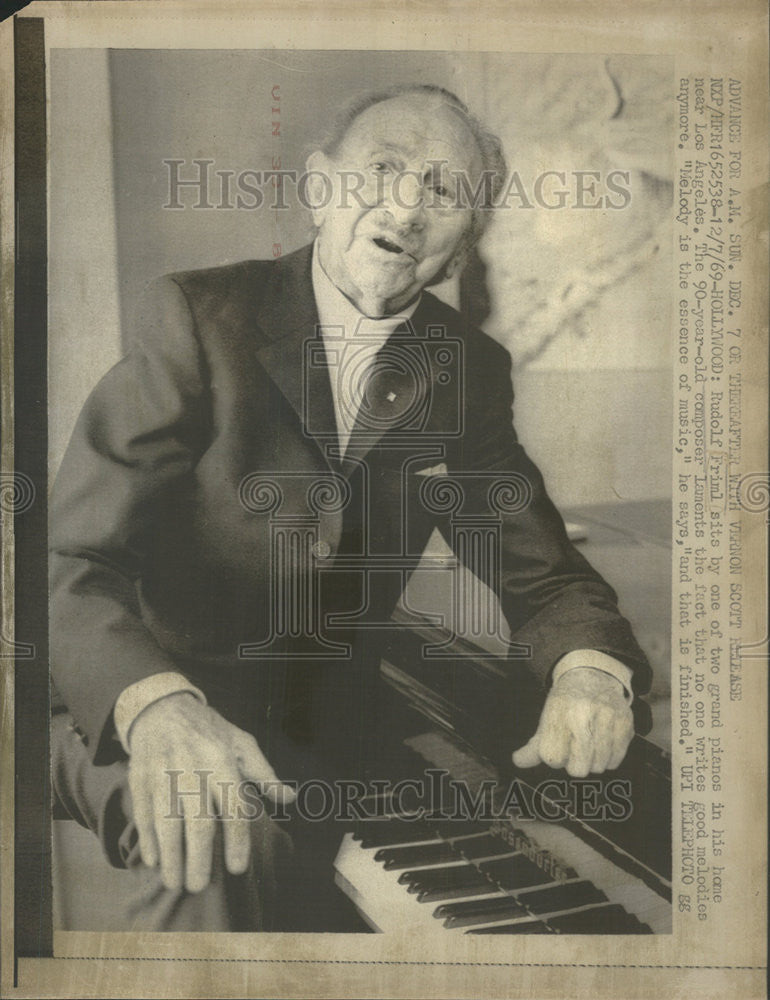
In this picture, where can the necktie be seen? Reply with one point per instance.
(355, 372)
(376, 384)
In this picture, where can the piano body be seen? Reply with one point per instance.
(538, 852)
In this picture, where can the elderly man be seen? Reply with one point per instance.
(174, 572)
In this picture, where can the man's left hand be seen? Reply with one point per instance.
(586, 725)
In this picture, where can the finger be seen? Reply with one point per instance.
(237, 837)
(199, 829)
(237, 845)
(529, 754)
(255, 766)
(581, 754)
(555, 742)
(141, 803)
(199, 833)
(603, 748)
(169, 831)
(604, 740)
(623, 734)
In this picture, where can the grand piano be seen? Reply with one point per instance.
(540, 852)
(509, 874)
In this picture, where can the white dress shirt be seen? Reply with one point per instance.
(344, 330)
(351, 341)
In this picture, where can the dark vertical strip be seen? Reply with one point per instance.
(33, 919)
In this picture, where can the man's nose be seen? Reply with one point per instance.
(405, 200)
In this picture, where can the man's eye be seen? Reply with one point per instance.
(380, 167)
(441, 190)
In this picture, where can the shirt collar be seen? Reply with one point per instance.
(335, 309)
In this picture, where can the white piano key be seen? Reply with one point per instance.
(387, 905)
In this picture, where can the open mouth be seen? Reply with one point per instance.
(388, 245)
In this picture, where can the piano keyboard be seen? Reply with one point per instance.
(461, 877)
(576, 875)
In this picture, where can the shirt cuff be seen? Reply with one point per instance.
(597, 661)
(134, 699)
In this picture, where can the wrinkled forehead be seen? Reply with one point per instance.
(420, 128)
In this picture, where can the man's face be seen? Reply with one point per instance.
(393, 222)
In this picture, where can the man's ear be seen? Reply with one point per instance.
(319, 185)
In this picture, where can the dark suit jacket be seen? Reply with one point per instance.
(162, 559)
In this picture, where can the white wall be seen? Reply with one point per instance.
(575, 294)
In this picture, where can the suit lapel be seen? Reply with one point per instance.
(294, 355)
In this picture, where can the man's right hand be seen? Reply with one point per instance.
(178, 733)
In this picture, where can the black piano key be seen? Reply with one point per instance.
(522, 927)
(430, 884)
(612, 919)
(394, 858)
(486, 846)
(449, 829)
(516, 872)
(478, 911)
(396, 831)
(386, 832)
(565, 896)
